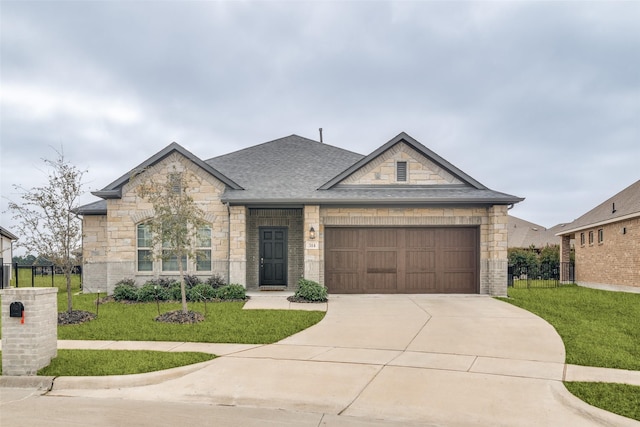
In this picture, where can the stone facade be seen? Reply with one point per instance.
(420, 170)
(109, 241)
(611, 260)
(29, 346)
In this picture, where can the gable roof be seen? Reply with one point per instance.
(6, 233)
(114, 190)
(524, 234)
(624, 205)
(403, 137)
(295, 171)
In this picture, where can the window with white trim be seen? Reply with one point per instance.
(203, 249)
(600, 236)
(144, 248)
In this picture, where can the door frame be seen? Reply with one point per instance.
(285, 230)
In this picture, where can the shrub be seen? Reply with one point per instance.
(163, 282)
(230, 292)
(174, 292)
(191, 281)
(201, 292)
(152, 292)
(216, 281)
(311, 291)
(125, 290)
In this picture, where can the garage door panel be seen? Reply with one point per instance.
(402, 259)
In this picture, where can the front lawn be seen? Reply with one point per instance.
(598, 328)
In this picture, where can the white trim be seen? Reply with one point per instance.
(597, 224)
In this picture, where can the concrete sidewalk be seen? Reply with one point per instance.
(440, 360)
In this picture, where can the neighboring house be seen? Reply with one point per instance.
(400, 220)
(607, 241)
(6, 254)
(524, 234)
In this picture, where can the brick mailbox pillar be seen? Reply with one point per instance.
(29, 342)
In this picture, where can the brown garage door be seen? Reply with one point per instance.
(401, 260)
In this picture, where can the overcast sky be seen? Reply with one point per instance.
(536, 99)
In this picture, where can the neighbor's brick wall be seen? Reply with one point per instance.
(29, 346)
(492, 223)
(113, 237)
(616, 261)
(382, 170)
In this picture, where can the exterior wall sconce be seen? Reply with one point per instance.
(312, 233)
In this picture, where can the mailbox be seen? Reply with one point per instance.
(16, 309)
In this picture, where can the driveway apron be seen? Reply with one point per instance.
(442, 360)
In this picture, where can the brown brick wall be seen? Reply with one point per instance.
(615, 261)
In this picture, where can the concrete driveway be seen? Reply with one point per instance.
(436, 360)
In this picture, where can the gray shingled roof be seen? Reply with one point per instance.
(625, 204)
(296, 170)
(524, 234)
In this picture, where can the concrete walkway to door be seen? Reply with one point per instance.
(434, 360)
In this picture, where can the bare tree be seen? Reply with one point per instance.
(176, 221)
(48, 225)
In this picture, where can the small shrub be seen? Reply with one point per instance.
(191, 281)
(162, 282)
(216, 281)
(311, 291)
(125, 290)
(231, 292)
(174, 292)
(152, 292)
(201, 292)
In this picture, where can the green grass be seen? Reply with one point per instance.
(225, 322)
(534, 283)
(117, 362)
(620, 399)
(24, 280)
(598, 328)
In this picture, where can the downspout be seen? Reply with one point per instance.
(228, 243)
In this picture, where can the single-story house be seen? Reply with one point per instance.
(6, 255)
(524, 234)
(607, 241)
(399, 220)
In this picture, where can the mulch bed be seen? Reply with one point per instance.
(180, 316)
(75, 317)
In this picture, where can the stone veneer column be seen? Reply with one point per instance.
(497, 263)
(238, 245)
(29, 346)
(312, 248)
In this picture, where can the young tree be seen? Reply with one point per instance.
(176, 220)
(47, 223)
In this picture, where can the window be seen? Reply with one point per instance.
(203, 249)
(144, 243)
(591, 237)
(600, 236)
(171, 263)
(401, 171)
(175, 180)
(581, 239)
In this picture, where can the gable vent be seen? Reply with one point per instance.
(401, 171)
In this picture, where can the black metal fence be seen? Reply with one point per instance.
(32, 275)
(545, 275)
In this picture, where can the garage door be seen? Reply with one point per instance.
(401, 260)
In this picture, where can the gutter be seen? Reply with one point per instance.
(597, 224)
(228, 243)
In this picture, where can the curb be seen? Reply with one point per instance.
(40, 383)
(125, 381)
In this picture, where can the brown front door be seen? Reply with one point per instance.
(402, 260)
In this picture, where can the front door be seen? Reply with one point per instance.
(273, 256)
